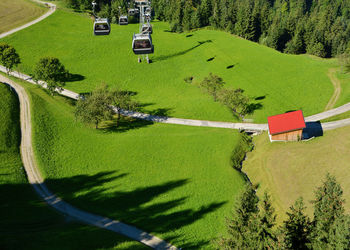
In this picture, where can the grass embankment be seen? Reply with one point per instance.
(279, 82)
(293, 169)
(26, 221)
(14, 13)
(173, 181)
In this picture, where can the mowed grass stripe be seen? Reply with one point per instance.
(14, 13)
(283, 82)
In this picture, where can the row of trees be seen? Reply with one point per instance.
(254, 225)
(48, 69)
(234, 99)
(293, 26)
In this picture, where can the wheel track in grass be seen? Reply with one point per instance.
(337, 89)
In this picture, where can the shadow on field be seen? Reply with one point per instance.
(137, 206)
(31, 224)
(123, 125)
(313, 129)
(165, 57)
(74, 78)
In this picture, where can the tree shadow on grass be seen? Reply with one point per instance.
(74, 77)
(125, 124)
(165, 57)
(135, 206)
(28, 223)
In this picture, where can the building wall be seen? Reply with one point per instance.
(288, 136)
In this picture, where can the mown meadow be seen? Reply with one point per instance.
(26, 220)
(174, 181)
(275, 82)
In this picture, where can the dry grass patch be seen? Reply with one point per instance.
(14, 13)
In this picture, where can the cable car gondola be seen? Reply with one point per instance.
(102, 26)
(142, 44)
(131, 12)
(123, 20)
(146, 28)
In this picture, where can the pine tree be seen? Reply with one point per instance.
(339, 235)
(242, 226)
(328, 207)
(296, 228)
(187, 15)
(267, 220)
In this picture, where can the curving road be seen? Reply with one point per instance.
(36, 180)
(204, 123)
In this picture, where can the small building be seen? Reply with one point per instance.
(286, 127)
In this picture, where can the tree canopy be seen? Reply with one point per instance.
(8, 57)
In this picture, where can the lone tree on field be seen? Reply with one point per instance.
(51, 70)
(235, 100)
(8, 57)
(96, 107)
(122, 100)
(212, 84)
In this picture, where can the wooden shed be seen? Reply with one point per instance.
(286, 127)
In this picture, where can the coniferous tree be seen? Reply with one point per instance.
(243, 225)
(296, 228)
(328, 207)
(267, 220)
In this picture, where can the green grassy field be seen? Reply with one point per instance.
(14, 13)
(173, 181)
(26, 221)
(278, 81)
(293, 169)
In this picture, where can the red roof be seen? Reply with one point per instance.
(286, 122)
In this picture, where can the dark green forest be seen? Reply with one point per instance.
(317, 27)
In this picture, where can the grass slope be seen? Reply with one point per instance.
(173, 181)
(14, 13)
(290, 170)
(280, 82)
(26, 220)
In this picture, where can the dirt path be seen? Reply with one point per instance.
(337, 89)
(37, 181)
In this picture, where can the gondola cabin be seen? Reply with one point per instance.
(142, 44)
(131, 12)
(123, 20)
(102, 26)
(286, 127)
(146, 28)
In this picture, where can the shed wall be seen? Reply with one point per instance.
(288, 136)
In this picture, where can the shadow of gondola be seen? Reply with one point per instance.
(165, 57)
